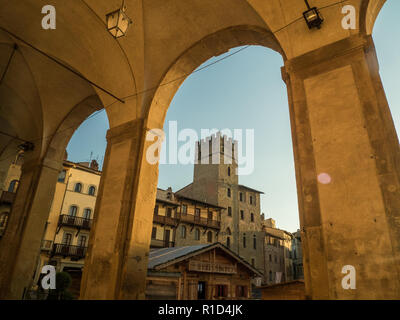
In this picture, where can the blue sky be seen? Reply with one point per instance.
(246, 91)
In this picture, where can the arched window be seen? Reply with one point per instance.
(254, 242)
(13, 186)
(78, 187)
(183, 232)
(209, 236)
(87, 213)
(92, 190)
(73, 210)
(228, 242)
(197, 234)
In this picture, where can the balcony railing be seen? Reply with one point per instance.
(156, 243)
(72, 221)
(190, 218)
(203, 266)
(65, 250)
(165, 220)
(7, 197)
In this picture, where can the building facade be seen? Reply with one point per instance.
(278, 248)
(184, 221)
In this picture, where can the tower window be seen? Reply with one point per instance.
(229, 211)
(229, 171)
(244, 241)
(252, 217)
(242, 214)
(254, 242)
(228, 242)
(229, 192)
(241, 196)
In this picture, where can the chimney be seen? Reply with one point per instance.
(94, 165)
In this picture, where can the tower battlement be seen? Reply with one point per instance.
(218, 147)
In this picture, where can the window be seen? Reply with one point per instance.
(183, 232)
(92, 190)
(184, 209)
(169, 212)
(209, 236)
(197, 212)
(78, 187)
(252, 217)
(228, 231)
(87, 213)
(241, 196)
(197, 234)
(61, 176)
(67, 238)
(241, 291)
(244, 241)
(154, 233)
(229, 171)
(82, 241)
(210, 215)
(73, 210)
(13, 186)
(270, 275)
(3, 219)
(242, 214)
(229, 211)
(228, 242)
(222, 290)
(270, 258)
(254, 242)
(251, 199)
(156, 209)
(229, 192)
(253, 262)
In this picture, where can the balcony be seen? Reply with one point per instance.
(205, 222)
(65, 250)
(7, 197)
(169, 221)
(72, 221)
(156, 243)
(203, 266)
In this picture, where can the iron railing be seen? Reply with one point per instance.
(73, 221)
(66, 250)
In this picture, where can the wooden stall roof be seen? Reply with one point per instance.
(162, 258)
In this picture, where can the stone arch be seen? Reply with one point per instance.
(212, 45)
(369, 11)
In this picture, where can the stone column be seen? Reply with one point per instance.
(116, 263)
(20, 245)
(347, 169)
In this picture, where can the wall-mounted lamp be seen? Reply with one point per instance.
(118, 22)
(313, 17)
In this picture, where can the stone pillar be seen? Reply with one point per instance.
(347, 169)
(116, 263)
(20, 245)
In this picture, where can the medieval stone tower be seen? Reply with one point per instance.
(215, 180)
